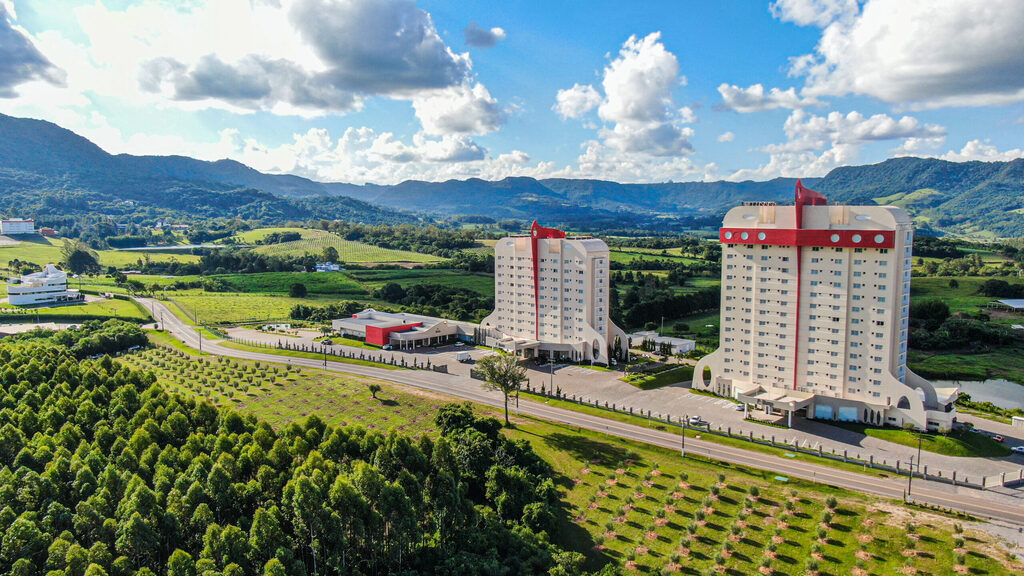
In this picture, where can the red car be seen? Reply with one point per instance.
(998, 438)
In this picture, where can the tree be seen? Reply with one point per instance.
(504, 374)
(78, 258)
(374, 388)
(330, 254)
(297, 290)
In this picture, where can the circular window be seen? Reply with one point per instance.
(879, 239)
(728, 235)
(744, 235)
(856, 238)
(835, 238)
(761, 236)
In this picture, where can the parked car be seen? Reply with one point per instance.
(387, 347)
(739, 407)
(1018, 449)
(327, 343)
(998, 438)
(694, 420)
(457, 344)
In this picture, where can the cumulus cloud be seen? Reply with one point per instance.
(819, 13)
(483, 37)
(462, 109)
(916, 54)
(816, 144)
(576, 101)
(726, 137)
(978, 150)
(358, 48)
(754, 99)
(20, 59)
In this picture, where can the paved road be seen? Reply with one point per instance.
(986, 504)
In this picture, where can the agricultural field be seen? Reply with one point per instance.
(284, 394)
(97, 310)
(963, 298)
(235, 307)
(627, 255)
(322, 283)
(41, 250)
(314, 241)
(647, 511)
(374, 279)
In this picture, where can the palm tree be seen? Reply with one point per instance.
(504, 374)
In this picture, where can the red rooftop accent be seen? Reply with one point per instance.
(538, 232)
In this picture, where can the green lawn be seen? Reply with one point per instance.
(958, 443)
(681, 373)
(963, 298)
(100, 309)
(634, 506)
(333, 283)
(235, 307)
(478, 282)
(627, 255)
(314, 241)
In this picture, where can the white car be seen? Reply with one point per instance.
(738, 407)
(1018, 449)
(457, 344)
(694, 420)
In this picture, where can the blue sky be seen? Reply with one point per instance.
(387, 90)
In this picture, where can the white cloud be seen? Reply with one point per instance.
(576, 101)
(819, 13)
(816, 144)
(754, 99)
(978, 150)
(462, 109)
(726, 137)
(483, 37)
(918, 54)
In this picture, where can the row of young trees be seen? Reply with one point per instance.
(104, 473)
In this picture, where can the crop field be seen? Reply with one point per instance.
(651, 513)
(373, 279)
(100, 309)
(284, 394)
(231, 307)
(627, 255)
(333, 283)
(314, 241)
(41, 250)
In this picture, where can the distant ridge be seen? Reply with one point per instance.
(981, 199)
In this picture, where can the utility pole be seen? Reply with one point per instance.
(324, 346)
(910, 471)
(682, 435)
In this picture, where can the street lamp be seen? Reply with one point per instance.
(682, 435)
(910, 472)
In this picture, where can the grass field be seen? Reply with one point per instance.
(959, 443)
(41, 250)
(314, 241)
(963, 298)
(626, 255)
(231, 307)
(647, 511)
(681, 373)
(100, 309)
(333, 283)
(373, 279)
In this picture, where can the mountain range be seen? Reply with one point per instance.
(46, 170)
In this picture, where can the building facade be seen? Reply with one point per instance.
(10, 226)
(47, 287)
(814, 315)
(551, 298)
(402, 330)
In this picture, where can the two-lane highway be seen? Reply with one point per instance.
(976, 502)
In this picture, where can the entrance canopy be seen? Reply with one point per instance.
(777, 398)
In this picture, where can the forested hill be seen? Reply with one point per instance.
(48, 172)
(973, 198)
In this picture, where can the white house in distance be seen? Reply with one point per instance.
(47, 287)
(14, 226)
(551, 297)
(328, 267)
(679, 345)
(815, 310)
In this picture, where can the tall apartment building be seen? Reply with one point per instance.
(551, 298)
(814, 315)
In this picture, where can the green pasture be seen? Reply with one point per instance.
(100, 309)
(313, 242)
(42, 250)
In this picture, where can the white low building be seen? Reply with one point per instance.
(12, 226)
(679, 345)
(47, 287)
